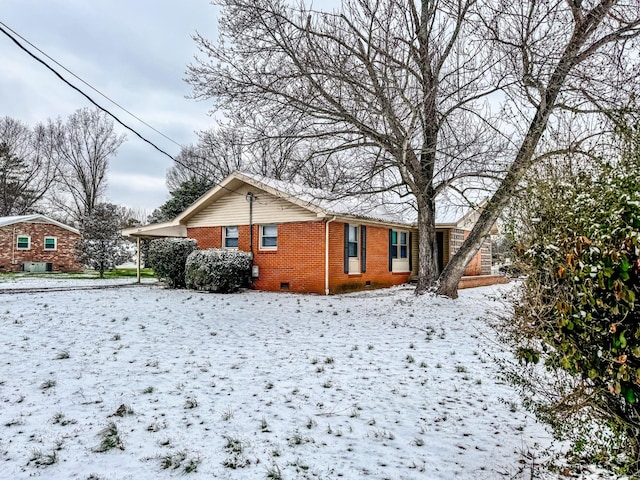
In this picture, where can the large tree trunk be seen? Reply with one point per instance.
(451, 275)
(454, 270)
(427, 247)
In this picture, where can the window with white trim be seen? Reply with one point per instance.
(399, 242)
(353, 241)
(50, 243)
(268, 237)
(399, 251)
(230, 237)
(23, 242)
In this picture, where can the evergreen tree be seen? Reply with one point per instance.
(183, 196)
(15, 195)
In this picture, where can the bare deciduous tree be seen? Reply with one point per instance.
(427, 95)
(255, 146)
(82, 147)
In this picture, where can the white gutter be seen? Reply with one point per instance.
(326, 255)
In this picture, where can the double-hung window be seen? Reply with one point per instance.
(231, 237)
(23, 242)
(269, 237)
(355, 244)
(50, 243)
(399, 242)
(353, 241)
(399, 251)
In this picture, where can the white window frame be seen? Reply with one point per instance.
(225, 237)
(263, 236)
(398, 245)
(18, 237)
(55, 244)
(354, 261)
(398, 262)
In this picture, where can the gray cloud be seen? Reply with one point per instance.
(135, 52)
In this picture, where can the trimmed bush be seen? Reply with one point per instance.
(168, 258)
(218, 270)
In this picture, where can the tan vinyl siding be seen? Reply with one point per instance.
(486, 257)
(233, 209)
(415, 241)
(446, 239)
(456, 239)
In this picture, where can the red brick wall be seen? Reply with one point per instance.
(298, 260)
(298, 264)
(207, 237)
(475, 265)
(377, 274)
(62, 259)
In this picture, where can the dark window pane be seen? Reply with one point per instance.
(403, 238)
(270, 236)
(403, 251)
(353, 249)
(394, 251)
(270, 231)
(269, 241)
(353, 234)
(231, 242)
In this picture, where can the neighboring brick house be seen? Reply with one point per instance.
(35, 243)
(300, 242)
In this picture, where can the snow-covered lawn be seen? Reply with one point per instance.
(149, 383)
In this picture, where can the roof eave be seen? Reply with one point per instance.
(157, 230)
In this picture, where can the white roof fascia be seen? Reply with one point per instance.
(160, 230)
(5, 221)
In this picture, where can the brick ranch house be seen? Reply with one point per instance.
(303, 243)
(35, 243)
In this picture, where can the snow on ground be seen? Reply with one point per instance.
(62, 280)
(256, 385)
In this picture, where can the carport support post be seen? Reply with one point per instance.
(138, 263)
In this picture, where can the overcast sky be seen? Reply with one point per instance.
(133, 51)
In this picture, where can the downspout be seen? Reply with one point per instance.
(250, 198)
(326, 255)
(13, 247)
(138, 263)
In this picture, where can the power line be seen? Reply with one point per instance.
(57, 74)
(88, 84)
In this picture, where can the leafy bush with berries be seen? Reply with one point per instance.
(578, 313)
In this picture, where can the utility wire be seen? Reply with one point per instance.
(85, 95)
(88, 84)
(176, 160)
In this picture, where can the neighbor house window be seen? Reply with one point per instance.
(231, 237)
(23, 242)
(399, 244)
(50, 243)
(269, 237)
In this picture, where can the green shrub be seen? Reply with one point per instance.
(168, 258)
(578, 314)
(218, 270)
